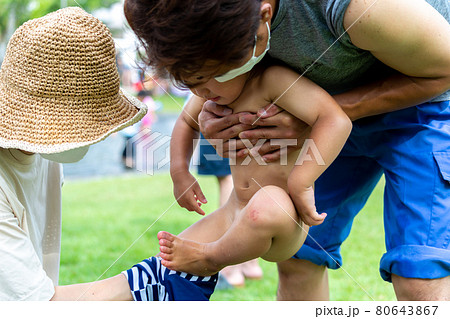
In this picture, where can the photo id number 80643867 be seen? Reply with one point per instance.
(406, 310)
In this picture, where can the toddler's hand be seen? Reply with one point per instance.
(188, 193)
(306, 207)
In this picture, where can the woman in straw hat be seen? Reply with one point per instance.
(59, 94)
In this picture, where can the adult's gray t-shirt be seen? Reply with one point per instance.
(309, 36)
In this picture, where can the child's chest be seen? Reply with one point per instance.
(251, 99)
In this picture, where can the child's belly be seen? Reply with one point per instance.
(248, 179)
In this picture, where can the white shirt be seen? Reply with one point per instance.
(30, 226)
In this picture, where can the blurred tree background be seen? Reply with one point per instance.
(15, 12)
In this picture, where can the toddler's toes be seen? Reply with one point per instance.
(165, 257)
(165, 249)
(166, 243)
(166, 235)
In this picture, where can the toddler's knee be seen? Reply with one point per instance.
(275, 199)
(271, 203)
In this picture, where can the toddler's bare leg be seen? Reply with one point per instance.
(267, 227)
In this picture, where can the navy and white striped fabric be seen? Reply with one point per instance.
(151, 281)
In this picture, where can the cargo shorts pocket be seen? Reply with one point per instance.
(439, 227)
(443, 162)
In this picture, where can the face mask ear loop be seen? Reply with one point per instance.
(268, 35)
(254, 47)
(256, 40)
(248, 65)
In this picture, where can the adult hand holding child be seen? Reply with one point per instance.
(270, 122)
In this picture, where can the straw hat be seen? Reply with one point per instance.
(59, 85)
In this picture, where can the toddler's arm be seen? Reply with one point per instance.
(330, 130)
(186, 189)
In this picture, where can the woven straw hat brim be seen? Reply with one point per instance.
(33, 125)
(59, 85)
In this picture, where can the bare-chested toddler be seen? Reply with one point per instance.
(272, 203)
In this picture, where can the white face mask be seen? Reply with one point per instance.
(247, 66)
(70, 156)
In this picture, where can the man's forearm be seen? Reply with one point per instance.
(396, 92)
(113, 289)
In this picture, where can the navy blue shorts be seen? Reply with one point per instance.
(210, 163)
(411, 147)
(151, 281)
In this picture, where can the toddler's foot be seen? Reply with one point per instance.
(234, 275)
(184, 255)
(252, 270)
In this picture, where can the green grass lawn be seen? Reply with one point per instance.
(109, 224)
(171, 104)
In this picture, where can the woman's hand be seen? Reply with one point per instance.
(187, 192)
